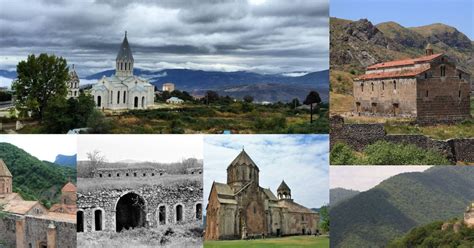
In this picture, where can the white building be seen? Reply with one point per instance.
(174, 100)
(168, 87)
(123, 90)
(73, 84)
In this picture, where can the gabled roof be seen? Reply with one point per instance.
(283, 187)
(295, 207)
(270, 195)
(402, 62)
(393, 74)
(125, 53)
(4, 172)
(243, 158)
(225, 194)
(69, 187)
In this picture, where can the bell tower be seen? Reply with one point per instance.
(242, 171)
(283, 191)
(124, 60)
(428, 50)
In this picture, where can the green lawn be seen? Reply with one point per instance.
(293, 242)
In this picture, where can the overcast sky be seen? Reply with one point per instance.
(301, 160)
(44, 147)
(363, 178)
(152, 148)
(269, 36)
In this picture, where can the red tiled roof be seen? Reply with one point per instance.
(69, 187)
(393, 74)
(404, 62)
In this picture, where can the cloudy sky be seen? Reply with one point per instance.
(301, 160)
(152, 148)
(363, 178)
(268, 36)
(34, 144)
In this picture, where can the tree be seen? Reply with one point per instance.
(324, 213)
(96, 160)
(211, 96)
(248, 99)
(295, 103)
(312, 98)
(39, 80)
(97, 123)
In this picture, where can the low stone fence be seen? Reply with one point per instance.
(358, 136)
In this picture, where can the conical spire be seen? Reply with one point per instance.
(125, 53)
(283, 191)
(243, 158)
(4, 172)
(283, 187)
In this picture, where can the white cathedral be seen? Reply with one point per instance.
(123, 90)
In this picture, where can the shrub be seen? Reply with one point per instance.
(342, 154)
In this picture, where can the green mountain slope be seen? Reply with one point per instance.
(338, 195)
(32, 178)
(387, 211)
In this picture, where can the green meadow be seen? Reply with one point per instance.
(289, 242)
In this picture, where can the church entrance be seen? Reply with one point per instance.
(130, 212)
(396, 110)
(135, 102)
(143, 102)
(99, 101)
(374, 108)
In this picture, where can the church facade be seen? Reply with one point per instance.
(241, 209)
(428, 88)
(123, 90)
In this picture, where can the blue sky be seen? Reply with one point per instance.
(301, 160)
(409, 13)
(44, 147)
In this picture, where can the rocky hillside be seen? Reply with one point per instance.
(375, 217)
(357, 44)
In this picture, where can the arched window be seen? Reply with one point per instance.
(362, 87)
(179, 213)
(118, 97)
(121, 66)
(372, 86)
(443, 71)
(135, 102)
(383, 85)
(98, 220)
(199, 211)
(162, 215)
(143, 102)
(394, 85)
(111, 96)
(80, 221)
(124, 96)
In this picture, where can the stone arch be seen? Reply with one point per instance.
(130, 211)
(198, 211)
(162, 214)
(98, 219)
(143, 102)
(80, 220)
(178, 213)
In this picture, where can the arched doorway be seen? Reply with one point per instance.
(179, 213)
(130, 212)
(80, 221)
(199, 211)
(99, 101)
(143, 102)
(135, 102)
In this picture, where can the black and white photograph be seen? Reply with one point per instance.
(139, 190)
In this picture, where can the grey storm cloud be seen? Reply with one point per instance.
(269, 36)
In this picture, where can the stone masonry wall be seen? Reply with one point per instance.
(188, 195)
(358, 136)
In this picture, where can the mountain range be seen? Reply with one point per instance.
(263, 87)
(34, 179)
(375, 217)
(66, 160)
(357, 44)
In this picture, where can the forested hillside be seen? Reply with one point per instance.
(375, 217)
(35, 179)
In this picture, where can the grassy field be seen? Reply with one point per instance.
(167, 236)
(200, 118)
(289, 242)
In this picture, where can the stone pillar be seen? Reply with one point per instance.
(20, 232)
(51, 236)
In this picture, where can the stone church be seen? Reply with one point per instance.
(30, 224)
(123, 90)
(241, 209)
(429, 88)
